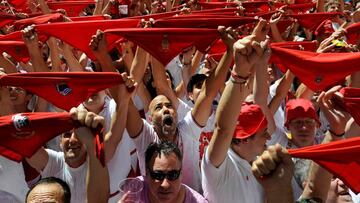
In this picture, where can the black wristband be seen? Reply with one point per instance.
(336, 135)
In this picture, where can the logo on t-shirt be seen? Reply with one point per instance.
(22, 126)
(63, 89)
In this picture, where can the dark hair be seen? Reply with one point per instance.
(53, 180)
(194, 80)
(164, 147)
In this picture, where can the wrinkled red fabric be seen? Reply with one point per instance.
(64, 90)
(312, 20)
(318, 71)
(72, 8)
(213, 5)
(166, 43)
(54, 17)
(204, 22)
(10, 154)
(25, 133)
(340, 158)
(84, 30)
(353, 33)
(88, 18)
(216, 11)
(255, 6)
(351, 102)
(14, 45)
(156, 16)
(20, 5)
(301, 8)
(7, 19)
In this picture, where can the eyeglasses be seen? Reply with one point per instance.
(300, 123)
(161, 175)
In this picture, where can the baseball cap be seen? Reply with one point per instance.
(300, 108)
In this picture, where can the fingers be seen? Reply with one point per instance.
(89, 119)
(129, 83)
(96, 39)
(261, 30)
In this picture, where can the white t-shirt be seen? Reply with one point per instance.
(188, 143)
(74, 177)
(232, 182)
(119, 165)
(12, 178)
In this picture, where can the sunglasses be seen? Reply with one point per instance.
(161, 175)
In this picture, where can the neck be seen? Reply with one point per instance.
(77, 163)
(20, 108)
(168, 137)
(180, 198)
(243, 153)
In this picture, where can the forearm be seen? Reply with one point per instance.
(37, 61)
(319, 179)
(276, 35)
(118, 125)
(96, 174)
(160, 80)
(73, 64)
(44, 7)
(144, 95)
(280, 195)
(8, 66)
(138, 65)
(54, 55)
(281, 91)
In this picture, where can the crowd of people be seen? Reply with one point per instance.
(208, 100)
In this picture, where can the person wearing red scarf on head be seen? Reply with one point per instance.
(70, 165)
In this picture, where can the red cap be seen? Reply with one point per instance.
(300, 108)
(250, 121)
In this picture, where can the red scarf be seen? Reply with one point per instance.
(72, 8)
(85, 29)
(318, 71)
(353, 33)
(311, 21)
(21, 135)
(64, 90)
(351, 102)
(166, 43)
(340, 158)
(54, 17)
(204, 22)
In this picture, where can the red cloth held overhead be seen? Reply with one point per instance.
(166, 43)
(212, 5)
(72, 8)
(340, 158)
(312, 20)
(6, 19)
(353, 33)
(317, 71)
(156, 16)
(20, 5)
(10, 154)
(351, 102)
(83, 30)
(301, 8)
(204, 22)
(54, 17)
(25, 133)
(64, 90)
(88, 18)
(216, 11)
(256, 6)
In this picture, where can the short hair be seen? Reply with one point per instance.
(194, 80)
(164, 147)
(53, 180)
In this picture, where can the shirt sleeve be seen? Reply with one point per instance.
(189, 127)
(213, 175)
(182, 110)
(55, 163)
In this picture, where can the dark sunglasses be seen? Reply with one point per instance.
(161, 175)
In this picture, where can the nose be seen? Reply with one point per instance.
(73, 138)
(165, 184)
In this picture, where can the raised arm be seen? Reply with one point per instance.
(202, 109)
(233, 95)
(5, 102)
(160, 80)
(96, 172)
(8, 66)
(32, 43)
(119, 118)
(73, 64)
